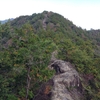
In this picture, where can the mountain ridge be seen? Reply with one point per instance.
(28, 42)
(6, 20)
(57, 23)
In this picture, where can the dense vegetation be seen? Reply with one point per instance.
(25, 50)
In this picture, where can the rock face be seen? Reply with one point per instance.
(67, 84)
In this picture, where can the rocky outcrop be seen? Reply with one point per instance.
(67, 84)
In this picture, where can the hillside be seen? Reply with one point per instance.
(27, 43)
(48, 20)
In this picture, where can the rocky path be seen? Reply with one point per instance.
(44, 22)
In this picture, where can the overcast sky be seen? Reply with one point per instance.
(83, 13)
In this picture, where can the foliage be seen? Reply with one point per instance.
(25, 51)
(27, 57)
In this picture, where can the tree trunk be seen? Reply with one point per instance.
(28, 82)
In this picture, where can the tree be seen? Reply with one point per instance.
(27, 60)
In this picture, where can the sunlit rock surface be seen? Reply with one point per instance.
(67, 84)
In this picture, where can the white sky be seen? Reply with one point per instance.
(83, 13)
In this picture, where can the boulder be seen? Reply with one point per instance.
(67, 84)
